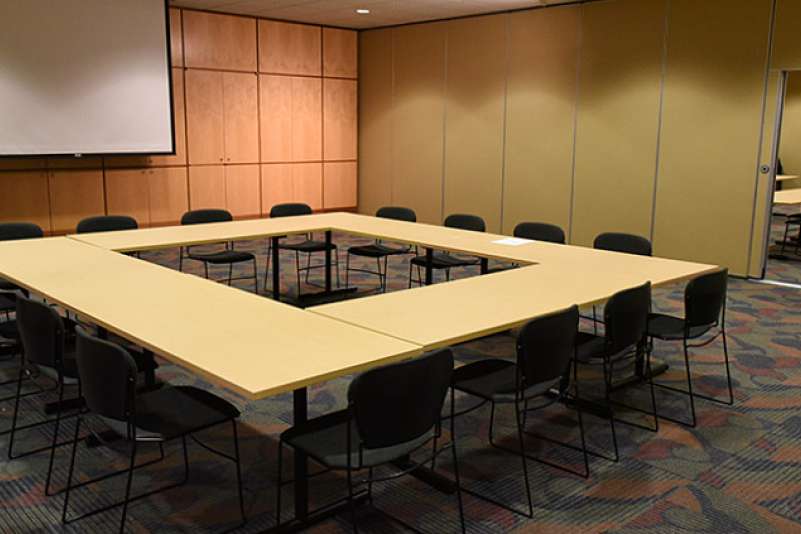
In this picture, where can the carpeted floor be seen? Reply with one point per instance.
(738, 471)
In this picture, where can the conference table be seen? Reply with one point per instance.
(261, 347)
(787, 196)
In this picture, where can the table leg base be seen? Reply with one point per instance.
(65, 406)
(427, 476)
(301, 525)
(307, 300)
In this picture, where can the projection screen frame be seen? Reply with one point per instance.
(78, 156)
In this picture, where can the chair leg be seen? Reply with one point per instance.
(15, 417)
(206, 269)
(336, 266)
(726, 361)
(456, 477)
(521, 444)
(297, 269)
(651, 384)
(380, 276)
(386, 259)
(347, 269)
(71, 470)
(280, 484)
(128, 486)
(55, 436)
(308, 266)
(267, 267)
(410, 274)
(580, 420)
(181, 259)
(594, 320)
(608, 396)
(238, 472)
(255, 277)
(230, 273)
(351, 502)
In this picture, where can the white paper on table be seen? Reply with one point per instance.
(512, 241)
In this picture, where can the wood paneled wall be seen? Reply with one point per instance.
(265, 112)
(620, 115)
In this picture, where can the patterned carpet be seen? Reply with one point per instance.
(738, 471)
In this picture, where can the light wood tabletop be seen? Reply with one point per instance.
(783, 177)
(787, 196)
(446, 313)
(245, 342)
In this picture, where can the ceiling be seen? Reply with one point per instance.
(343, 12)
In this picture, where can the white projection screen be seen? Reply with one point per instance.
(85, 77)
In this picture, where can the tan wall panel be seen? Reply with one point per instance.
(340, 53)
(786, 44)
(75, 195)
(179, 117)
(418, 126)
(375, 120)
(339, 119)
(540, 112)
(205, 125)
(790, 148)
(128, 193)
(618, 118)
(710, 134)
(275, 117)
(176, 39)
(339, 185)
(474, 118)
(276, 185)
(307, 184)
(207, 187)
(216, 41)
(25, 198)
(307, 133)
(241, 112)
(242, 194)
(91, 162)
(169, 195)
(286, 48)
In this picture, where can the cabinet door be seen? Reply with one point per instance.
(307, 131)
(242, 194)
(25, 198)
(340, 56)
(307, 184)
(215, 41)
(75, 195)
(207, 187)
(204, 117)
(169, 195)
(286, 48)
(276, 185)
(128, 193)
(339, 185)
(241, 117)
(339, 124)
(275, 94)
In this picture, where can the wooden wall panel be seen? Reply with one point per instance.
(169, 195)
(340, 53)
(25, 198)
(375, 123)
(12, 164)
(291, 120)
(786, 45)
(339, 119)
(307, 184)
(204, 117)
(419, 119)
(241, 117)
(242, 190)
(277, 186)
(710, 134)
(474, 123)
(286, 48)
(74, 195)
(176, 38)
(91, 162)
(307, 140)
(207, 187)
(618, 118)
(540, 115)
(339, 185)
(128, 193)
(215, 41)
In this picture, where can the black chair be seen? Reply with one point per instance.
(228, 256)
(540, 232)
(790, 221)
(13, 231)
(542, 373)
(106, 223)
(625, 338)
(308, 246)
(704, 310)
(108, 380)
(444, 260)
(378, 250)
(392, 412)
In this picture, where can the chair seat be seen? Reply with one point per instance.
(668, 327)
(69, 366)
(376, 250)
(444, 261)
(495, 380)
(325, 440)
(223, 257)
(175, 411)
(310, 245)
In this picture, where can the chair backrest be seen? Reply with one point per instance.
(465, 221)
(290, 209)
(206, 216)
(619, 242)
(398, 213)
(19, 230)
(108, 376)
(705, 297)
(546, 345)
(626, 318)
(402, 401)
(540, 232)
(41, 332)
(106, 223)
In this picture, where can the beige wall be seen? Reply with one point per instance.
(620, 115)
(790, 146)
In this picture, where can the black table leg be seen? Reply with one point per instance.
(429, 265)
(484, 265)
(300, 414)
(328, 294)
(328, 244)
(276, 268)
